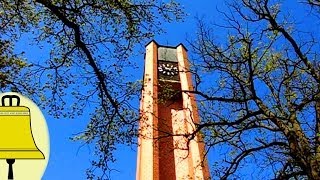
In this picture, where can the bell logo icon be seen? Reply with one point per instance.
(24, 138)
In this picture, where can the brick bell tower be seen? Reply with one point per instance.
(166, 114)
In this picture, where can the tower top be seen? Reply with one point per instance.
(167, 53)
(166, 46)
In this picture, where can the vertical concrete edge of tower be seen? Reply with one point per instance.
(148, 112)
(197, 147)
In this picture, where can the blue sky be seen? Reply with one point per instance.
(68, 159)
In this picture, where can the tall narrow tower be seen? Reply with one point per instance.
(168, 112)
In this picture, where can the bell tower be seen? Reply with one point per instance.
(168, 112)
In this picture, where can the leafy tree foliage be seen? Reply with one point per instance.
(10, 67)
(89, 46)
(261, 114)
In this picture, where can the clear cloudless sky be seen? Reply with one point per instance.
(69, 160)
